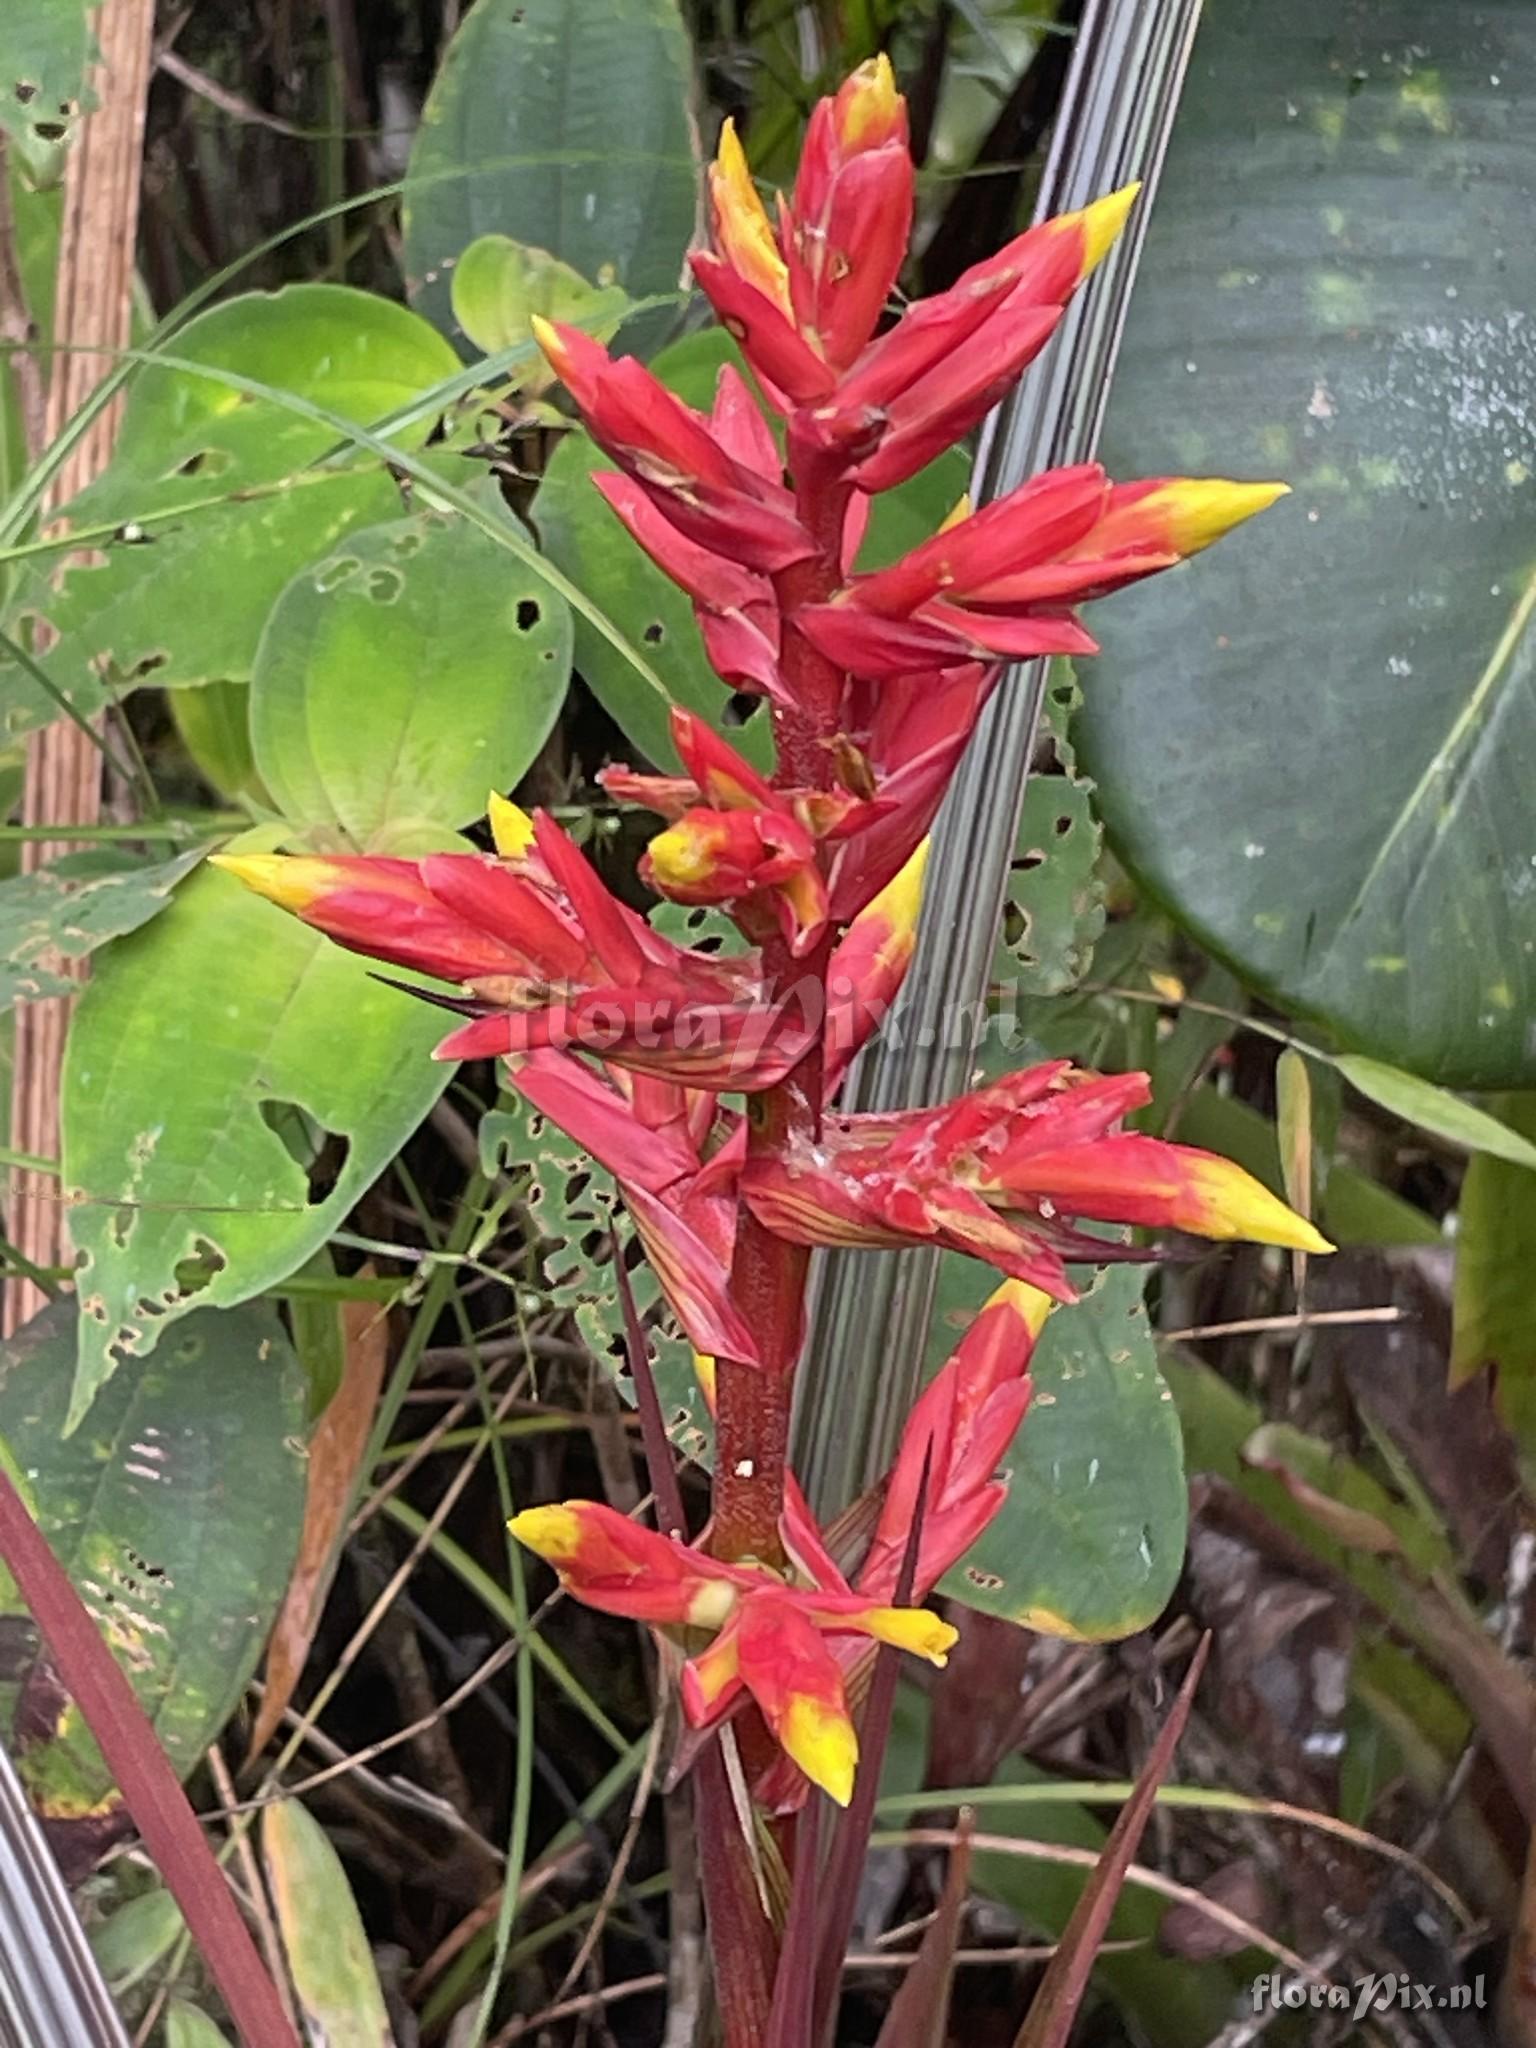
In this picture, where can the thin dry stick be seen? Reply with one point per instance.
(369, 1507)
(261, 1905)
(637, 1806)
(1300, 1319)
(574, 2008)
(1137, 1874)
(93, 304)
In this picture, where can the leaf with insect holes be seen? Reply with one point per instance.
(567, 123)
(1090, 1540)
(48, 51)
(205, 474)
(71, 907)
(403, 676)
(575, 1208)
(175, 1510)
(1055, 908)
(205, 1049)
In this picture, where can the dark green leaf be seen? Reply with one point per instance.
(1436, 1110)
(1318, 743)
(196, 1043)
(214, 723)
(567, 123)
(175, 1511)
(73, 906)
(1090, 1541)
(1494, 1309)
(400, 679)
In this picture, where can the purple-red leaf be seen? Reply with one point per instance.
(921, 2007)
(1066, 1977)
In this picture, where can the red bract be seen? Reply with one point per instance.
(873, 685)
(997, 1174)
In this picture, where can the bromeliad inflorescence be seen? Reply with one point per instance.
(633, 1044)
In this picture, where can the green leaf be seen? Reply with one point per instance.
(214, 725)
(328, 1954)
(401, 678)
(1090, 1541)
(186, 2027)
(1436, 1110)
(1493, 1312)
(1055, 908)
(176, 1512)
(73, 906)
(1293, 1123)
(575, 1209)
(35, 218)
(584, 538)
(132, 1939)
(1315, 744)
(499, 285)
(48, 49)
(567, 123)
(195, 1041)
(204, 475)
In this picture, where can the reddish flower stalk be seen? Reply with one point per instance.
(874, 682)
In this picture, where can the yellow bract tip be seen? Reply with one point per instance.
(511, 826)
(743, 231)
(821, 1740)
(554, 1533)
(1199, 510)
(704, 1373)
(914, 1629)
(961, 509)
(868, 105)
(681, 857)
(1028, 1303)
(1229, 1203)
(1100, 224)
(286, 879)
(547, 335)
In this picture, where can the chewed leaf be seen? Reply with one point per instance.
(175, 1510)
(214, 1138)
(73, 906)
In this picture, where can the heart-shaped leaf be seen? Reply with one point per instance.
(402, 677)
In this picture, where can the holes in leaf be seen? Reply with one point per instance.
(26, 92)
(194, 1275)
(335, 572)
(1025, 863)
(1064, 825)
(654, 633)
(203, 462)
(528, 614)
(321, 1153)
(384, 585)
(405, 544)
(741, 707)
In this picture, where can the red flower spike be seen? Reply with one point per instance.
(675, 455)
(993, 1172)
(771, 1637)
(728, 856)
(1000, 581)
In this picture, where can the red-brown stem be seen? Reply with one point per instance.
(752, 1402)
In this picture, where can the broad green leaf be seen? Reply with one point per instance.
(1090, 1541)
(175, 1511)
(583, 537)
(133, 1938)
(327, 1948)
(186, 2027)
(567, 123)
(499, 285)
(1436, 1110)
(401, 678)
(1293, 1123)
(214, 724)
(35, 217)
(71, 907)
(206, 478)
(1494, 1313)
(1316, 745)
(46, 49)
(195, 1042)
(574, 1207)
